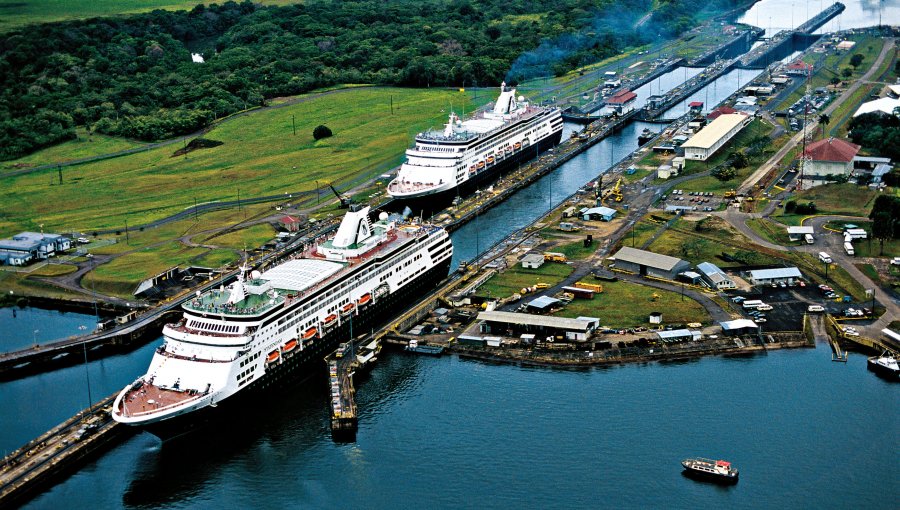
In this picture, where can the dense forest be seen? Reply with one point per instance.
(877, 131)
(134, 76)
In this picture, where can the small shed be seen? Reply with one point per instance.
(739, 327)
(290, 223)
(797, 233)
(532, 261)
(543, 303)
(656, 318)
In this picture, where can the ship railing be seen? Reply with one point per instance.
(170, 354)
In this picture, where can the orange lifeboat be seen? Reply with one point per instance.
(517, 146)
(290, 345)
(310, 333)
(490, 160)
(364, 300)
(272, 357)
(329, 321)
(480, 165)
(348, 308)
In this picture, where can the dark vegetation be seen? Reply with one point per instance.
(133, 76)
(321, 131)
(197, 143)
(885, 217)
(878, 132)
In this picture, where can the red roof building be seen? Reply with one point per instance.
(722, 110)
(622, 97)
(832, 149)
(799, 68)
(828, 160)
(291, 223)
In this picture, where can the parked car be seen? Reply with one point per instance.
(815, 308)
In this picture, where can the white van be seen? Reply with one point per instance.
(808, 238)
(824, 257)
(815, 308)
(848, 248)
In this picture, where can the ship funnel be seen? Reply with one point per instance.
(354, 228)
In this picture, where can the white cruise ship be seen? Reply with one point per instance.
(468, 152)
(276, 326)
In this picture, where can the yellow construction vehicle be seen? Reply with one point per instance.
(730, 194)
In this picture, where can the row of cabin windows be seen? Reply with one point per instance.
(517, 132)
(225, 328)
(245, 373)
(249, 359)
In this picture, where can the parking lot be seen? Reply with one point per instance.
(699, 200)
(789, 304)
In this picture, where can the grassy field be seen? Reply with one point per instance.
(17, 14)
(844, 199)
(771, 232)
(82, 147)
(686, 242)
(576, 250)
(833, 64)
(260, 156)
(624, 305)
(250, 237)
(515, 278)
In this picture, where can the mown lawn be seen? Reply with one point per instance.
(625, 305)
(512, 280)
(260, 156)
(82, 147)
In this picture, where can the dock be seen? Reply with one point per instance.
(59, 451)
(343, 394)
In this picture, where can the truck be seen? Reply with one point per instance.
(808, 238)
(552, 256)
(824, 257)
(848, 248)
(596, 287)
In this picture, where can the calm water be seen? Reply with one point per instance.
(775, 15)
(446, 433)
(24, 327)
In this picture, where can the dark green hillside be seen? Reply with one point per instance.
(133, 76)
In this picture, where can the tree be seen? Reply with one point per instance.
(823, 121)
(882, 228)
(723, 173)
(846, 72)
(321, 131)
(856, 60)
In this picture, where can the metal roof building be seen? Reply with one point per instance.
(778, 275)
(715, 276)
(601, 213)
(679, 335)
(511, 323)
(797, 233)
(28, 246)
(647, 263)
(739, 327)
(712, 137)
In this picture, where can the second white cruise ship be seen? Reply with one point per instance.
(469, 152)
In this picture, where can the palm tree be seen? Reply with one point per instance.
(823, 121)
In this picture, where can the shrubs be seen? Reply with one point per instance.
(321, 131)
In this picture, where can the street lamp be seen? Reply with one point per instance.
(87, 375)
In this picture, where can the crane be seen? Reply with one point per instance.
(344, 199)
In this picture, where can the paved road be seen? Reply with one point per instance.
(766, 167)
(833, 244)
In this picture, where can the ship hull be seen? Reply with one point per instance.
(433, 202)
(301, 366)
(883, 371)
(705, 476)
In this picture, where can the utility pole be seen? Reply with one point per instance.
(392, 104)
(59, 170)
(293, 125)
(126, 231)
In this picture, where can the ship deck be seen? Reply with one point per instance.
(215, 301)
(149, 399)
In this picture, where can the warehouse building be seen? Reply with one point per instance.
(532, 261)
(787, 275)
(29, 246)
(827, 160)
(647, 263)
(514, 324)
(715, 277)
(711, 138)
